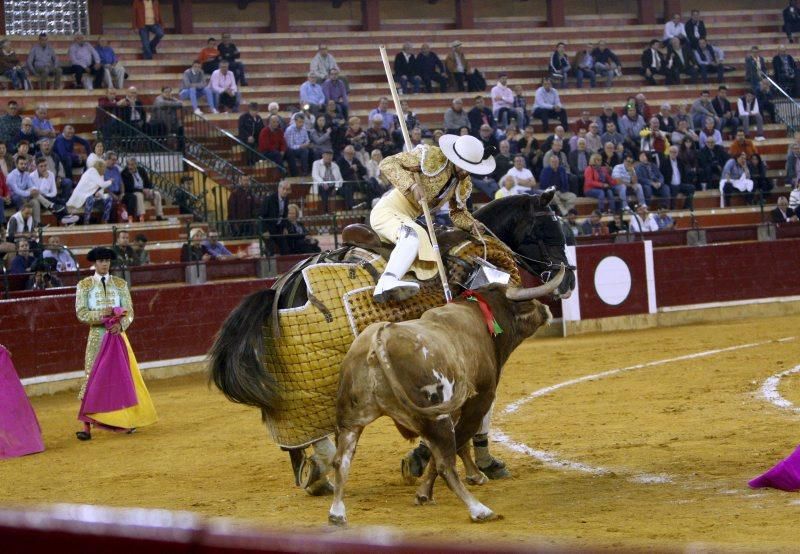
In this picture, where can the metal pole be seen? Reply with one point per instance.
(422, 202)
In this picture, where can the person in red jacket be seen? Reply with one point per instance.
(598, 183)
(271, 142)
(147, 21)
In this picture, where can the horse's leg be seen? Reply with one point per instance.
(474, 475)
(492, 467)
(314, 472)
(346, 442)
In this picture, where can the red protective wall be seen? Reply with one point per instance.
(44, 336)
(589, 257)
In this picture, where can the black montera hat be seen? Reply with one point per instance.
(101, 253)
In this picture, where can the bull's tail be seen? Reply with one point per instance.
(235, 359)
(462, 389)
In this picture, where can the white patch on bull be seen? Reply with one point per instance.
(447, 385)
(425, 352)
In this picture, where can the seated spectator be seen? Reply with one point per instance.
(185, 200)
(509, 187)
(242, 208)
(5, 200)
(113, 72)
(653, 139)
(683, 132)
(140, 254)
(578, 160)
(10, 124)
(584, 66)
(322, 64)
(378, 182)
(455, 117)
(457, 66)
(24, 259)
(594, 225)
(130, 109)
(44, 181)
(709, 130)
(764, 95)
(298, 147)
(487, 136)
(430, 68)
(223, 85)
(85, 63)
(664, 220)
(214, 248)
(24, 190)
(598, 184)
(116, 189)
(502, 101)
(610, 157)
(791, 20)
(747, 106)
(320, 137)
(23, 151)
(793, 165)
(21, 225)
(42, 63)
(405, 70)
(209, 57)
(570, 226)
(674, 28)
(297, 235)
(193, 251)
(754, 66)
(311, 94)
(653, 62)
(642, 221)
(794, 198)
(676, 177)
(617, 225)
(785, 71)
(710, 161)
(353, 173)
(26, 134)
(559, 66)
(195, 83)
(709, 59)
(378, 137)
(12, 67)
(122, 247)
(503, 160)
(666, 122)
(735, 176)
(742, 144)
(229, 53)
(480, 115)
(555, 175)
(695, 29)
(273, 215)
(271, 141)
(726, 117)
(612, 135)
(625, 174)
(608, 115)
(606, 63)
(249, 129)
(594, 142)
(649, 176)
(165, 119)
(630, 126)
(547, 105)
(522, 175)
(336, 89)
(782, 213)
(63, 260)
(762, 184)
(138, 187)
(356, 137)
(688, 155)
(89, 190)
(702, 109)
(63, 184)
(43, 127)
(327, 178)
(335, 119)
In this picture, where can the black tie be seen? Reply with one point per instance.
(103, 280)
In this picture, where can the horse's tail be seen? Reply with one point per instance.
(462, 389)
(235, 359)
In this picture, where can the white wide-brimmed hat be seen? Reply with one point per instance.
(468, 153)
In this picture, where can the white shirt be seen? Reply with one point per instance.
(502, 97)
(318, 174)
(676, 174)
(520, 174)
(220, 82)
(91, 181)
(513, 191)
(45, 185)
(674, 30)
(648, 225)
(743, 108)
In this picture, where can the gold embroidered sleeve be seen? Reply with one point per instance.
(127, 303)
(396, 169)
(458, 212)
(85, 315)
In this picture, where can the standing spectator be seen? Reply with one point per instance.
(709, 59)
(555, 175)
(195, 83)
(625, 174)
(89, 190)
(43, 62)
(138, 187)
(783, 213)
(229, 53)
(643, 221)
(10, 124)
(12, 67)
(327, 178)
(273, 214)
(702, 109)
(167, 117)
(735, 176)
(754, 66)
(147, 21)
(311, 94)
(674, 29)
(480, 115)
(113, 71)
(725, 114)
(271, 141)
(322, 63)
(41, 125)
(430, 68)
(652, 62)
(785, 70)
(675, 176)
(695, 30)
(584, 67)
(547, 105)
(606, 63)
(406, 70)
(250, 127)
(84, 60)
(502, 101)
(457, 66)
(680, 61)
(455, 117)
(242, 208)
(559, 65)
(335, 89)
(210, 56)
(651, 180)
(298, 146)
(64, 148)
(223, 85)
(791, 20)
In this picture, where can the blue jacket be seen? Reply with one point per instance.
(550, 178)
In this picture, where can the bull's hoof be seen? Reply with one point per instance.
(322, 487)
(479, 479)
(496, 470)
(483, 517)
(422, 500)
(338, 521)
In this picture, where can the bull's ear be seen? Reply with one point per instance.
(546, 197)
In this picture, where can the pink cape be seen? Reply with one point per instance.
(784, 476)
(20, 433)
(110, 387)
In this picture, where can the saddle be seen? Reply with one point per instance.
(363, 236)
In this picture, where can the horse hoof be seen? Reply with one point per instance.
(322, 487)
(83, 435)
(479, 479)
(496, 470)
(338, 521)
(422, 500)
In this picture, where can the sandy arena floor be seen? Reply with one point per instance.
(657, 451)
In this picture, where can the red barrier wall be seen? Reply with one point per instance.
(45, 337)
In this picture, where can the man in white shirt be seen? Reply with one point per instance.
(502, 101)
(223, 85)
(642, 221)
(748, 107)
(547, 105)
(508, 187)
(43, 180)
(327, 177)
(674, 29)
(522, 175)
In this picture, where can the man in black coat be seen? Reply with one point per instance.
(791, 20)
(229, 53)
(711, 160)
(680, 61)
(695, 29)
(783, 213)
(274, 213)
(405, 70)
(785, 70)
(430, 68)
(353, 178)
(676, 177)
(652, 62)
(250, 125)
(480, 115)
(138, 187)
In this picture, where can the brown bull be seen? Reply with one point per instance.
(436, 377)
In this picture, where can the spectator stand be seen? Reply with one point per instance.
(787, 110)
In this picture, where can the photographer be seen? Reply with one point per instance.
(42, 277)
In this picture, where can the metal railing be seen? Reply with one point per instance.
(787, 110)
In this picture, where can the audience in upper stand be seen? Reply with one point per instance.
(559, 66)
(502, 101)
(336, 89)
(322, 64)
(653, 62)
(229, 53)
(547, 105)
(584, 66)
(249, 129)
(457, 67)
(90, 190)
(12, 67)
(785, 70)
(606, 63)
(480, 115)
(113, 72)
(138, 187)
(210, 56)
(726, 117)
(709, 60)
(85, 63)
(147, 21)
(42, 63)
(41, 125)
(702, 109)
(311, 94)
(10, 124)
(271, 141)
(695, 29)
(455, 117)
(226, 92)
(674, 29)
(406, 70)
(430, 68)
(194, 84)
(754, 66)
(680, 61)
(298, 147)
(791, 20)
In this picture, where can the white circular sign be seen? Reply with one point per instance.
(612, 280)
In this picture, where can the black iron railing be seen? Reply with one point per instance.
(787, 110)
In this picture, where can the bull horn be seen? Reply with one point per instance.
(518, 294)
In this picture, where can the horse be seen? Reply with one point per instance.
(256, 349)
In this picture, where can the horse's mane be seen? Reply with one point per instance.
(503, 215)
